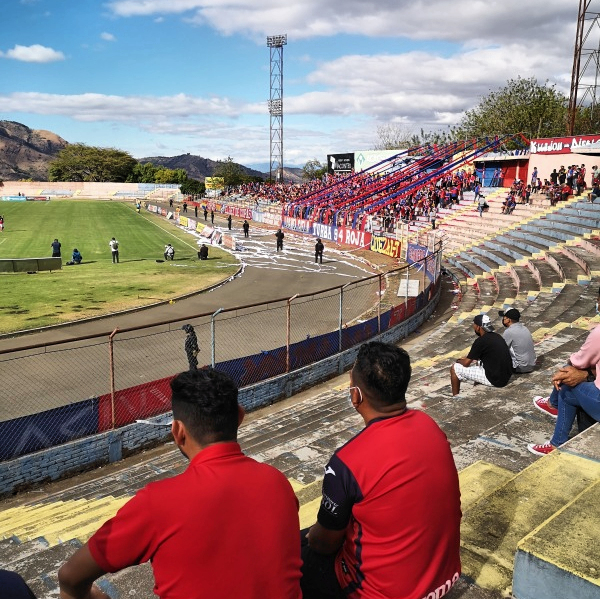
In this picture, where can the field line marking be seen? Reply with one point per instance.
(194, 247)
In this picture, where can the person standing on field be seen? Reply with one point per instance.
(113, 244)
(319, 247)
(55, 245)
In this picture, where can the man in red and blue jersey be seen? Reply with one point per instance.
(389, 521)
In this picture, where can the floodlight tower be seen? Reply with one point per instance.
(276, 44)
(586, 64)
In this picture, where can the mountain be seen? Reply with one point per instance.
(26, 153)
(196, 167)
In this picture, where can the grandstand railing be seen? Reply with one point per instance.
(56, 393)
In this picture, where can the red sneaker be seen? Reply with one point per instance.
(543, 405)
(544, 449)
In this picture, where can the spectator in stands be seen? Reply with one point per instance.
(488, 361)
(227, 527)
(576, 386)
(595, 193)
(519, 341)
(76, 258)
(378, 533)
(55, 245)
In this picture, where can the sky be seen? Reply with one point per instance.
(170, 77)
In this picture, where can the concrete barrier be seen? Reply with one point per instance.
(30, 264)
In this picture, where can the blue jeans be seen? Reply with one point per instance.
(567, 400)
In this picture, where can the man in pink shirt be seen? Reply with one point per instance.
(576, 385)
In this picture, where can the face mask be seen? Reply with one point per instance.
(350, 397)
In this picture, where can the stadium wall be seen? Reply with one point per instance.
(91, 451)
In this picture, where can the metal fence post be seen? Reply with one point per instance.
(379, 304)
(288, 332)
(112, 376)
(212, 337)
(341, 323)
(406, 291)
(424, 267)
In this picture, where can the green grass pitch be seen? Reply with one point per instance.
(96, 286)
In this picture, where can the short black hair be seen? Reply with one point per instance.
(205, 400)
(383, 371)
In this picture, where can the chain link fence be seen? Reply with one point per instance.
(56, 393)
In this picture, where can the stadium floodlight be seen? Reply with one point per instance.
(276, 41)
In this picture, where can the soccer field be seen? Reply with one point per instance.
(96, 286)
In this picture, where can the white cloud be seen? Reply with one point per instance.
(482, 21)
(35, 53)
(108, 37)
(100, 107)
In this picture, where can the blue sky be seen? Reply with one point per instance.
(168, 77)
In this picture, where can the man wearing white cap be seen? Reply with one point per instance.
(488, 362)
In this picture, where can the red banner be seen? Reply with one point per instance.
(141, 401)
(563, 145)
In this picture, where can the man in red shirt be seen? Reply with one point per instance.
(226, 527)
(389, 521)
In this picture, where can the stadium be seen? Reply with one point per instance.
(285, 329)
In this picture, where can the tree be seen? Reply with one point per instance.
(78, 162)
(313, 169)
(192, 187)
(230, 171)
(393, 136)
(143, 173)
(522, 106)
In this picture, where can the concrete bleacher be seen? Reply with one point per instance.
(530, 525)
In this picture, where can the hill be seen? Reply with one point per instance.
(26, 153)
(196, 167)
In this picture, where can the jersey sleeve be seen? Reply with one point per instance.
(126, 539)
(340, 493)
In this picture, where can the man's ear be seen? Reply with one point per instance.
(241, 414)
(179, 433)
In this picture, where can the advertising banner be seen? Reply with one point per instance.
(183, 220)
(340, 164)
(13, 198)
(385, 245)
(563, 145)
(37, 198)
(214, 182)
(238, 211)
(368, 158)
